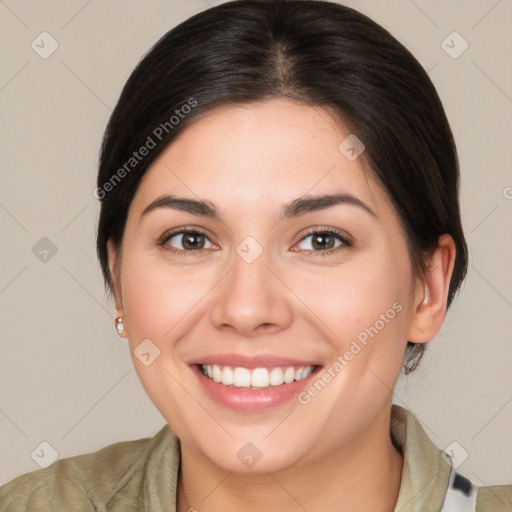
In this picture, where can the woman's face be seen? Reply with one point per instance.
(278, 281)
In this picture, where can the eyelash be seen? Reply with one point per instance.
(346, 242)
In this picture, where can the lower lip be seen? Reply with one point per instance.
(252, 400)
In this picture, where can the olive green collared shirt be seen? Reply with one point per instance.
(141, 476)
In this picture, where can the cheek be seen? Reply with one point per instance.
(147, 297)
(158, 295)
(158, 303)
(351, 297)
(364, 316)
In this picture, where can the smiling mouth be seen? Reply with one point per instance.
(255, 378)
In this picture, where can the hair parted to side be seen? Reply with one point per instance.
(318, 53)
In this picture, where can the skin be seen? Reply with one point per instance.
(334, 453)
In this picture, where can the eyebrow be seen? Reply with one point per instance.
(295, 208)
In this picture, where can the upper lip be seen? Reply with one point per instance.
(245, 361)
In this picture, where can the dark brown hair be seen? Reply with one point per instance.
(316, 52)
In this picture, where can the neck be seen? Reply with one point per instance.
(364, 474)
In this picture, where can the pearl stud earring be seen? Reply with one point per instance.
(119, 325)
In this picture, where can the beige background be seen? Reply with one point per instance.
(65, 378)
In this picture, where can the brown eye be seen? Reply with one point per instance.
(323, 241)
(187, 241)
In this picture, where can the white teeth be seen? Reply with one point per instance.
(260, 378)
(216, 373)
(276, 377)
(227, 376)
(257, 378)
(306, 372)
(289, 375)
(242, 378)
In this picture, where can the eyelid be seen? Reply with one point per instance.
(182, 230)
(343, 236)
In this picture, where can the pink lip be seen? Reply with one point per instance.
(253, 400)
(250, 362)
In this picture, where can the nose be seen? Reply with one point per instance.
(252, 299)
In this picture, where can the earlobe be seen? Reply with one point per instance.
(428, 315)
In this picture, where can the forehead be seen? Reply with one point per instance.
(249, 156)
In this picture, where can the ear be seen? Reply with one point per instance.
(114, 264)
(431, 295)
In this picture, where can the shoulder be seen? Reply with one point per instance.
(495, 498)
(462, 494)
(428, 478)
(83, 482)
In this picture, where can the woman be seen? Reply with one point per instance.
(280, 230)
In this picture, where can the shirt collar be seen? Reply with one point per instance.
(161, 479)
(425, 472)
